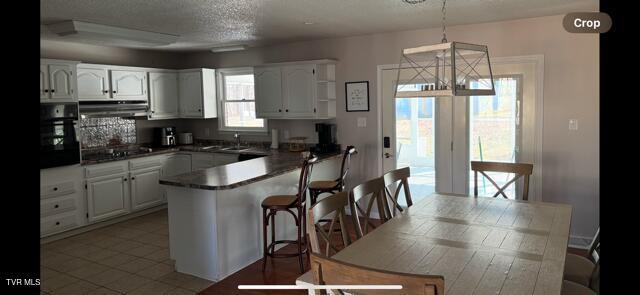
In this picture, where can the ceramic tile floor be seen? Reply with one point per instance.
(131, 257)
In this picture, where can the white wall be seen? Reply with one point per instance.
(571, 91)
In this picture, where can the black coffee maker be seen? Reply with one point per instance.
(164, 136)
(326, 139)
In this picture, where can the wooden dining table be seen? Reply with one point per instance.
(480, 245)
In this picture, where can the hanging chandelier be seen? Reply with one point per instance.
(445, 69)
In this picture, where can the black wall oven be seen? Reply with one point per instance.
(59, 144)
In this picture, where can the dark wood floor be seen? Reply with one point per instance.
(282, 271)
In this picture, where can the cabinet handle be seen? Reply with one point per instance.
(133, 178)
(114, 91)
(287, 110)
(55, 189)
(46, 90)
(105, 91)
(57, 222)
(56, 206)
(125, 179)
(279, 110)
(153, 112)
(53, 90)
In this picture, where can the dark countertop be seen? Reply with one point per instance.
(96, 158)
(242, 173)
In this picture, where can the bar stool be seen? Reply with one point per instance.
(273, 204)
(316, 188)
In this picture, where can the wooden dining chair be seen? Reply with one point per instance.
(374, 189)
(327, 271)
(571, 288)
(394, 182)
(519, 169)
(580, 269)
(332, 205)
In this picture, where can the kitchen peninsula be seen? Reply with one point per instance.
(215, 217)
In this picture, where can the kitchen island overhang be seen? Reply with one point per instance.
(215, 221)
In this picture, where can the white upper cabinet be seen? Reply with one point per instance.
(129, 84)
(105, 83)
(197, 93)
(163, 95)
(296, 90)
(268, 92)
(57, 81)
(44, 82)
(299, 91)
(93, 82)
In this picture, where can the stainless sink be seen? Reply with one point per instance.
(235, 148)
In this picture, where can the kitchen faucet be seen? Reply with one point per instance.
(237, 137)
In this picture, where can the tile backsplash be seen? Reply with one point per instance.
(101, 132)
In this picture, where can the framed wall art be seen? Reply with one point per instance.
(357, 96)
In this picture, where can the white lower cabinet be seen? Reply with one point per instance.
(107, 196)
(177, 164)
(202, 161)
(145, 188)
(61, 199)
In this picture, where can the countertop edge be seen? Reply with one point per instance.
(245, 182)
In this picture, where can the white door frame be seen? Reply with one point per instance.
(538, 61)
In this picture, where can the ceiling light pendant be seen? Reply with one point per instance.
(445, 69)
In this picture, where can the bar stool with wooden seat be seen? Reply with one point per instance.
(519, 169)
(274, 204)
(394, 182)
(333, 186)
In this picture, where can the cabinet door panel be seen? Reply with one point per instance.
(129, 85)
(299, 91)
(177, 164)
(190, 94)
(107, 197)
(61, 82)
(93, 83)
(44, 83)
(145, 189)
(163, 94)
(268, 92)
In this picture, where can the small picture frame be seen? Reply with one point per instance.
(357, 96)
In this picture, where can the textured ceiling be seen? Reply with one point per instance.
(203, 24)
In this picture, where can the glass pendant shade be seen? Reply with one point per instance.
(446, 69)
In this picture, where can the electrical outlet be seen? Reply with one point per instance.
(573, 124)
(362, 122)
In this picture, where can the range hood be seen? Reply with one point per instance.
(113, 108)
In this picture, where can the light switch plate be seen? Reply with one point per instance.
(362, 122)
(573, 124)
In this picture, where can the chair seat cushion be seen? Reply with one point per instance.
(578, 269)
(323, 184)
(571, 288)
(279, 201)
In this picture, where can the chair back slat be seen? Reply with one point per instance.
(373, 188)
(346, 163)
(303, 183)
(334, 204)
(519, 169)
(396, 181)
(327, 271)
(594, 248)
